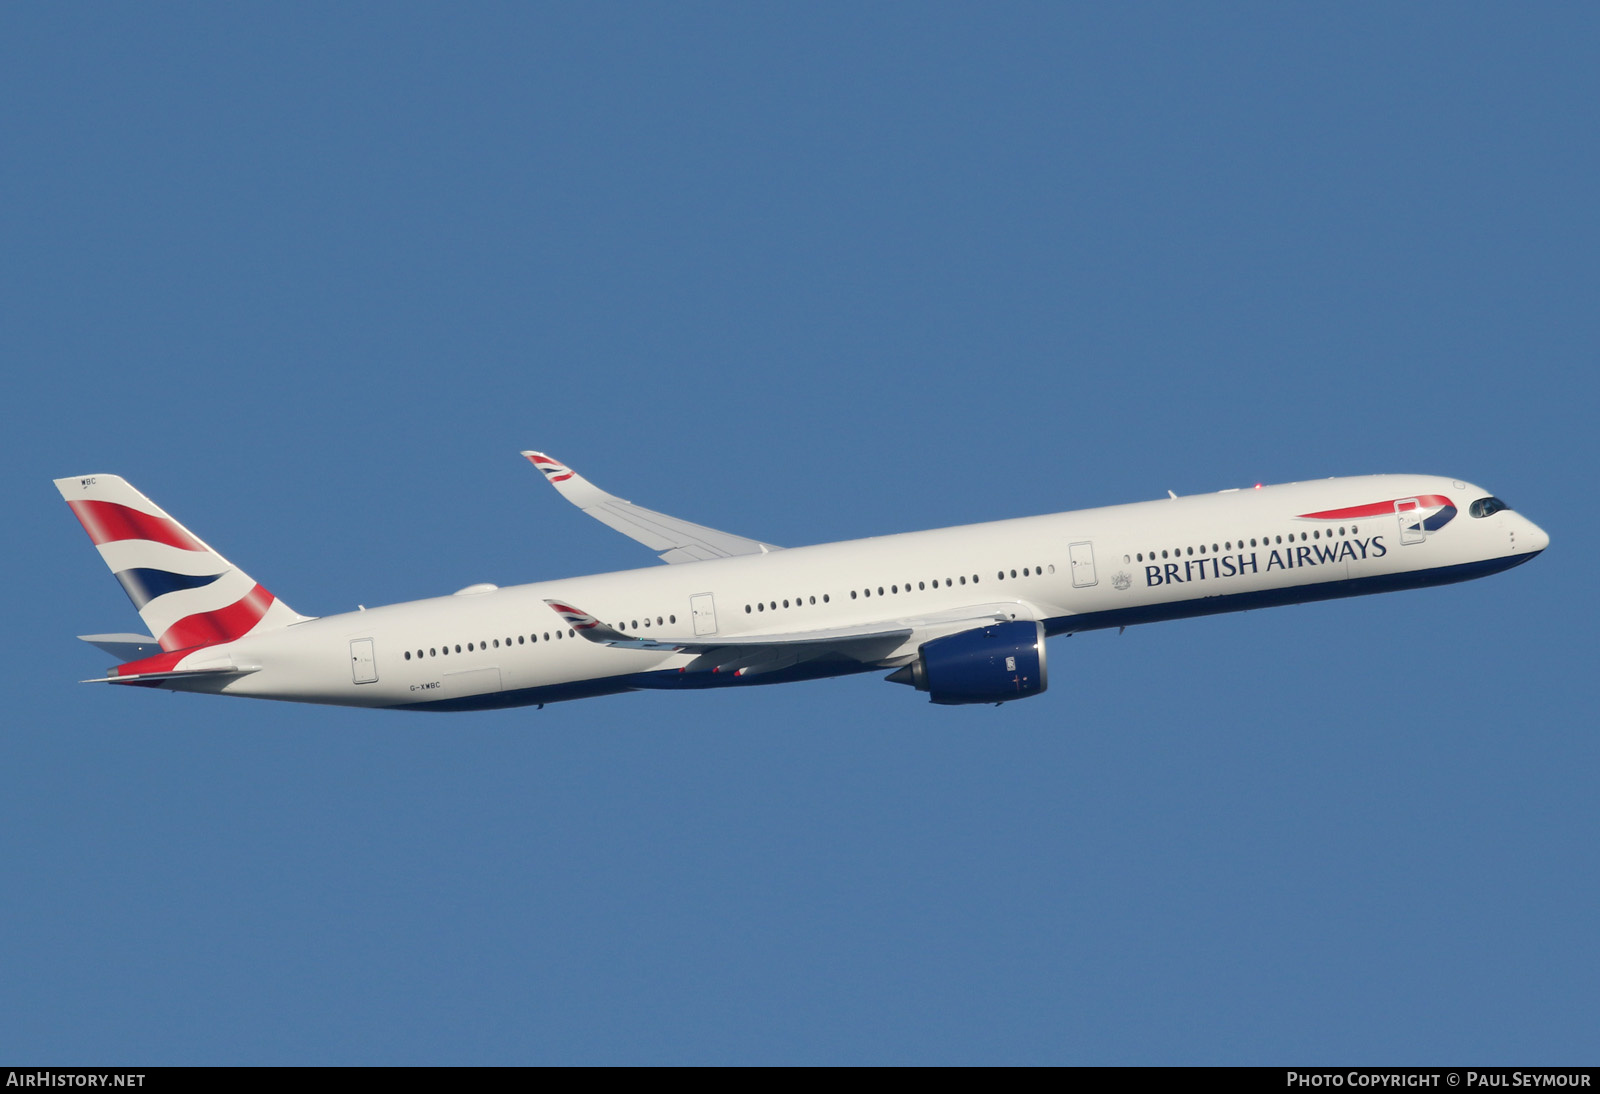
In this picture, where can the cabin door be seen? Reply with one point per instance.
(703, 610)
(1082, 556)
(1409, 510)
(363, 665)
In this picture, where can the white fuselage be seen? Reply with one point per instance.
(1070, 571)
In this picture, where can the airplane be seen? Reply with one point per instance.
(960, 613)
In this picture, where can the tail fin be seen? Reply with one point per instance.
(186, 593)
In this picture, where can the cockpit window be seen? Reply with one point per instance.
(1486, 507)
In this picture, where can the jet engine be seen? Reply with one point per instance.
(992, 664)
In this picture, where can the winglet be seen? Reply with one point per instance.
(584, 623)
(553, 470)
(674, 539)
(587, 626)
(571, 485)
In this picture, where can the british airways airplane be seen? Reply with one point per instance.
(960, 613)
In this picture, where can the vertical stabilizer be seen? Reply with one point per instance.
(186, 593)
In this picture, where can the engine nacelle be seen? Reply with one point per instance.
(992, 664)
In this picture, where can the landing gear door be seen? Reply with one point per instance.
(1409, 510)
(703, 610)
(1082, 556)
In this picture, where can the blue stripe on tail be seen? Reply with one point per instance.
(143, 586)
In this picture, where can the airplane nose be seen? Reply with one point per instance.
(1533, 538)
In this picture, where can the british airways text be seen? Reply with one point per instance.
(1286, 558)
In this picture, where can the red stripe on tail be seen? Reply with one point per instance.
(108, 522)
(161, 662)
(222, 625)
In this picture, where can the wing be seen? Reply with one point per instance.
(747, 654)
(675, 540)
(595, 631)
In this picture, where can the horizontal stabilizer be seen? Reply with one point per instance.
(675, 540)
(124, 647)
(178, 674)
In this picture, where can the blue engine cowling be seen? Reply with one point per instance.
(992, 664)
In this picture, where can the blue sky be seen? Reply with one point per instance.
(312, 276)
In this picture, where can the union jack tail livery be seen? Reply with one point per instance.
(186, 593)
